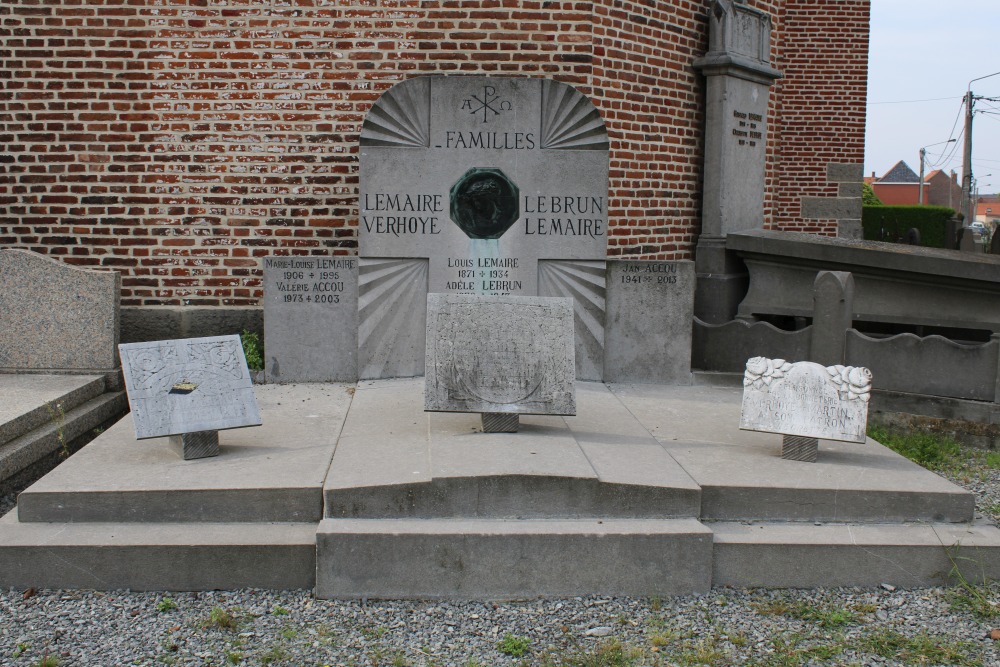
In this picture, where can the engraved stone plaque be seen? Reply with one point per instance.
(806, 399)
(188, 385)
(310, 319)
(648, 327)
(484, 179)
(500, 354)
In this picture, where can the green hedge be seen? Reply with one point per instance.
(890, 223)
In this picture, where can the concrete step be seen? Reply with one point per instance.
(493, 558)
(31, 401)
(162, 556)
(805, 555)
(59, 431)
(273, 472)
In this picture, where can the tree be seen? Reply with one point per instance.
(868, 197)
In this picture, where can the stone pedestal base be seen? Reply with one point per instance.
(799, 448)
(198, 445)
(500, 422)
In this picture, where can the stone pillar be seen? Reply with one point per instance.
(833, 315)
(738, 80)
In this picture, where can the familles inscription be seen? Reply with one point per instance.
(807, 401)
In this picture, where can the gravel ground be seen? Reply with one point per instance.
(881, 626)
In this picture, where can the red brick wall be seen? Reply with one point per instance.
(819, 104)
(177, 141)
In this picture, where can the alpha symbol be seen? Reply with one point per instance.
(490, 103)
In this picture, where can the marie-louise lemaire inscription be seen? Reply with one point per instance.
(484, 177)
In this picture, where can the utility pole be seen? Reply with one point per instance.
(923, 154)
(967, 160)
(967, 208)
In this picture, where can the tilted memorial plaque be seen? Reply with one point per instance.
(500, 354)
(805, 400)
(188, 385)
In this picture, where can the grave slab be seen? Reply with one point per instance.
(271, 473)
(30, 401)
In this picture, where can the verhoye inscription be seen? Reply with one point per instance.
(310, 319)
(189, 385)
(483, 176)
(500, 354)
(806, 399)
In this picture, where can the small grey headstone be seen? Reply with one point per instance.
(188, 385)
(56, 316)
(500, 354)
(806, 399)
(650, 306)
(310, 319)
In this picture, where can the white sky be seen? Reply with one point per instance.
(928, 49)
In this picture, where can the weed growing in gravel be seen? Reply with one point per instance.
(165, 605)
(274, 654)
(513, 646)
(47, 661)
(221, 619)
(233, 657)
(705, 651)
(20, 649)
(921, 649)
(824, 616)
(279, 611)
(966, 595)
(610, 653)
(288, 632)
(795, 650)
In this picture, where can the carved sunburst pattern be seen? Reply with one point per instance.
(569, 120)
(583, 281)
(392, 317)
(401, 117)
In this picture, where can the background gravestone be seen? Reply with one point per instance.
(55, 316)
(159, 375)
(310, 319)
(650, 306)
(478, 185)
(499, 354)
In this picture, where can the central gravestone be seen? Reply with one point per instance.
(478, 186)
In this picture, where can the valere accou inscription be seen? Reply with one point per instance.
(311, 280)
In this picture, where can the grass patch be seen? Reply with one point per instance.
(165, 605)
(822, 615)
(610, 653)
(794, 650)
(921, 649)
(932, 451)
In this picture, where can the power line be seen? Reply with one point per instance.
(932, 99)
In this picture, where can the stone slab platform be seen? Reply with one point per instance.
(273, 472)
(644, 478)
(29, 401)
